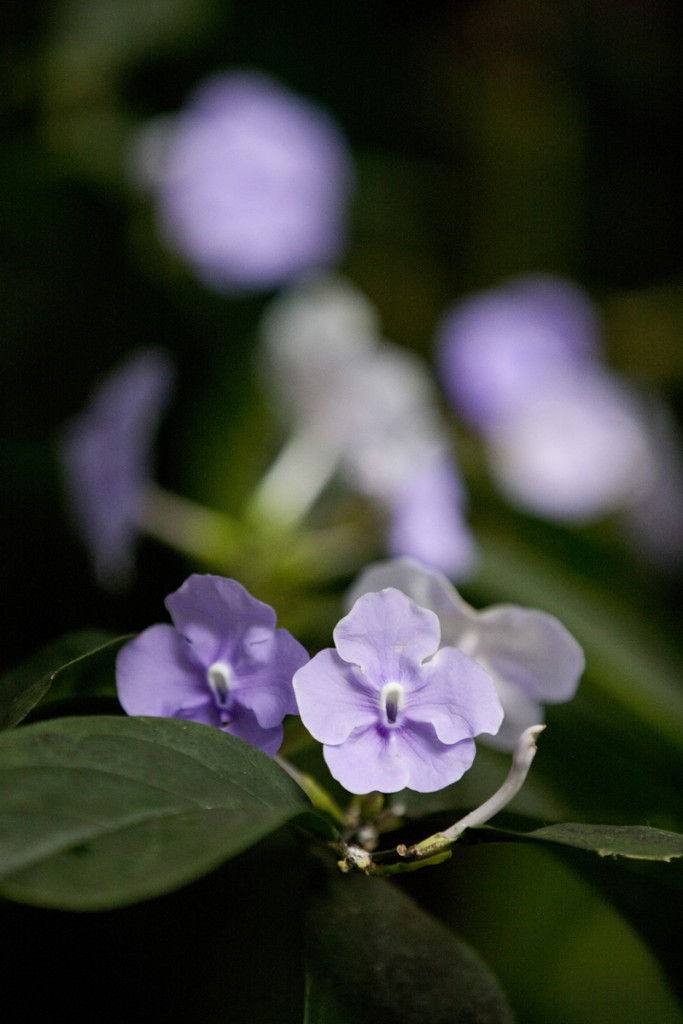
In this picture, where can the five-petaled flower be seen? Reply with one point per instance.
(392, 709)
(530, 656)
(223, 663)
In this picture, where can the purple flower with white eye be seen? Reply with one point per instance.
(530, 656)
(106, 453)
(251, 182)
(222, 663)
(392, 709)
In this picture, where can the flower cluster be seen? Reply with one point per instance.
(396, 704)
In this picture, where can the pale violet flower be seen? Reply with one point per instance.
(574, 452)
(565, 438)
(392, 708)
(106, 454)
(362, 408)
(530, 656)
(251, 182)
(222, 663)
(500, 347)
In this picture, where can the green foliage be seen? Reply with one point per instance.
(100, 812)
(374, 955)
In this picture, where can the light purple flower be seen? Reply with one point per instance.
(500, 347)
(530, 656)
(251, 182)
(106, 453)
(392, 709)
(222, 663)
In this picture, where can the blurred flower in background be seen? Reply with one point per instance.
(106, 454)
(250, 182)
(567, 439)
(366, 408)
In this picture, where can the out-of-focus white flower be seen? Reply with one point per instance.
(530, 656)
(250, 181)
(362, 407)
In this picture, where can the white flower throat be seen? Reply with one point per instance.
(219, 677)
(391, 701)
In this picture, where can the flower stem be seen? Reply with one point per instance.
(187, 526)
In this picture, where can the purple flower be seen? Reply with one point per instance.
(251, 182)
(498, 348)
(107, 462)
(392, 709)
(222, 663)
(530, 656)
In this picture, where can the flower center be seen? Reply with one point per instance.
(391, 700)
(219, 677)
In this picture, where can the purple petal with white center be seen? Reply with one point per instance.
(334, 698)
(157, 674)
(106, 453)
(529, 655)
(218, 617)
(387, 635)
(457, 697)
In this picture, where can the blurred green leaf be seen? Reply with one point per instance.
(101, 812)
(374, 955)
(77, 665)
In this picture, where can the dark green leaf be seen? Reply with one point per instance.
(638, 842)
(100, 812)
(81, 663)
(374, 956)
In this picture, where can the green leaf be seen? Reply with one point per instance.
(636, 841)
(81, 663)
(374, 955)
(101, 812)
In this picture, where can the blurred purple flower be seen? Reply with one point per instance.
(530, 656)
(500, 347)
(106, 453)
(222, 663)
(427, 520)
(392, 709)
(576, 451)
(251, 180)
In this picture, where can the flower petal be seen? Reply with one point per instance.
(369, 760)
(245, 726)
(265, 685)
(457, 697)
(215, 614)
(432, 764)
(156, 674)
(387, 635)
(334, 699)
(530, 650)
